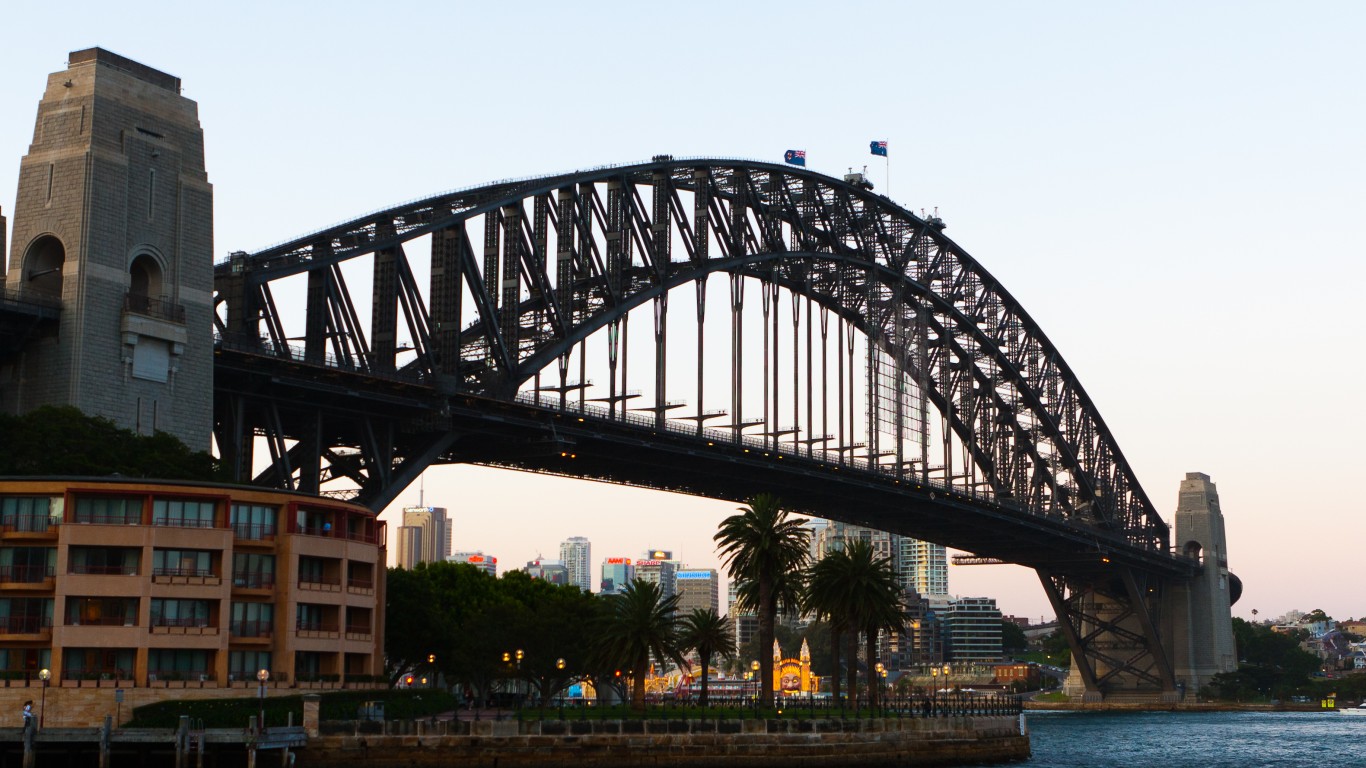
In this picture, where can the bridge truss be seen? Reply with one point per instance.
(861, 358)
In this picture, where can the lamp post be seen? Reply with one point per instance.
(262, 675)
(758, 680)
(878, 680)
(45, 675)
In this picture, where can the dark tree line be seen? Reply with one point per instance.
(61, 440)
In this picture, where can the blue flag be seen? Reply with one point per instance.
(795, 157)
(878, 148)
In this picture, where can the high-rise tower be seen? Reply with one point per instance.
(576, 552)
(114, 218)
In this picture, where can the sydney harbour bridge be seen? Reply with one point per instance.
(707, 326)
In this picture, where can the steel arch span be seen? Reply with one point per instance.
(882, 376)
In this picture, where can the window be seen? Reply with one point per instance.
(180, 613)
(308, 617)
(243, 665)
(26, 660)
(307, 665)
(314, 522)
(102, 611)
(115, 663)
(182, 562)
(25, 615)
(358, 621)
(109, 561)
(108, 510)
(30, 514)
(178, 664)
(253, 521)
(252, 620)
(183, 512)
(27, 565)
(252, 571)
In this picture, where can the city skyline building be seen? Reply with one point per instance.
(477, 558)
(408, 546)
(698, 588)
(552, 571)
(972, 627)
(435, 540)
(576, 553)
(661, 573)
(617, 572)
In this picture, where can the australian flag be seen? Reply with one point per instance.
(795, 157)
(878, 148)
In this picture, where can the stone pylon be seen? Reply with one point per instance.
(1198, 621)
(114, 218)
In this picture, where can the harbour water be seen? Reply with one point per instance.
(1196, 739)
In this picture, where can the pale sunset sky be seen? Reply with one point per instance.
(1171, 189)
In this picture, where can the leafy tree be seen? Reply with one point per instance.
(825, 598)
(639, 623)
(766, 548)
(708, 634)
(1013, 638)
(61, 440)
(1270, 664)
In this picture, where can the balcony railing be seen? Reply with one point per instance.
(108, 519)
(360, 582)
(316, 626)
(253, 580)
(193, 621)
(105, 570)
(180, 522)
(161, 309)
(28, 523)
(27, 574)
(254, 628)
(102, 621)
(190, 572)
(25, 625)
(253, 531)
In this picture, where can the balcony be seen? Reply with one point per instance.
(359, 632)
(253, 580)
(308, 585)
(27, 574)
(251, 629)
(25, 625)
(254, 532)
(317, 629)
(157, 309)
(22, 524)
(105, 570)
(192, 626)
(190, 576)
(360, 585)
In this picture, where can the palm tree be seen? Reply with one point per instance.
(765, 549)
(640, 623)
(825, 598)
(705, 632)
(858, 591)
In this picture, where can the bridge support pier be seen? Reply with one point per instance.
(1134, 634)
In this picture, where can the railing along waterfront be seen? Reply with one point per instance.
(956, 704)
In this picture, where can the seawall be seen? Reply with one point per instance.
(778, 743)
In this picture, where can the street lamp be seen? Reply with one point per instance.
(758, 680)
(262, 675)
(45, 675)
